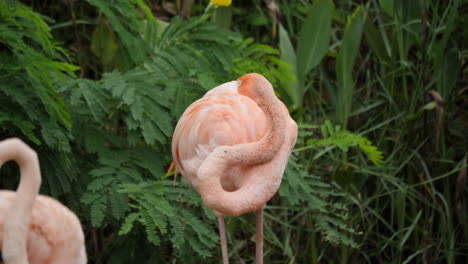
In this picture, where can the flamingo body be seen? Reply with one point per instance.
(233, 146)
(35, 229)
(221, 118)
(55, 234)
(225, 117)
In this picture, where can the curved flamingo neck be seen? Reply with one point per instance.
(17, 222)
(256, 191)
(259, 90)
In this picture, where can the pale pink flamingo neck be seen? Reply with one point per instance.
(17, 222)
(245, 200)
(259, 89)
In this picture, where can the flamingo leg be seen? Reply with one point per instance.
(259, 237)
(222, 235)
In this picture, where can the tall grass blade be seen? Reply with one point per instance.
(410, 229)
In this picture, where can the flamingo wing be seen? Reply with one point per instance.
(223, 117)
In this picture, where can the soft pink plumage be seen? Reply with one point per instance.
(233, 145)
(53, 232)
(223, 117)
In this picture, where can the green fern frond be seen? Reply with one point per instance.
(127, 226)
(162, 203)
(260, 58)
(118, 204)
(98, 211)
(298, 187)
(343, 139)
(150, 229)
(127, 21)
(198, 247)
(177, 233)
(25, 126)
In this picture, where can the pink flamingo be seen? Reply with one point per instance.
(33, 228)
(233, 146)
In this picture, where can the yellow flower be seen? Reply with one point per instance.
(221, 2)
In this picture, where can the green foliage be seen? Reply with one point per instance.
(127, 22)
(312, 46)
(343, 139)
(136, 99)
(325, 201)
(157, 208)
(103, 44)
(116, 168)
(314, 37)
(36, 88)
(344, 64)
(261, 59)
(334, 136)
(32, 70)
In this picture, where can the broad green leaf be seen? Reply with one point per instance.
(375, 40)
(289, 55)
(103, 43)
(448, 72)
(314, 36)
(344, 64)
(446, 61)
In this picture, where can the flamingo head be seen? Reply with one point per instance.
(255, 86)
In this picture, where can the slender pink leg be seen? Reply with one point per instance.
(222, 235)
(259, 238)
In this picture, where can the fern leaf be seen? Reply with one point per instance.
(127, 226)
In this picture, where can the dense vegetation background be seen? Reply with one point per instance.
(97, 86)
